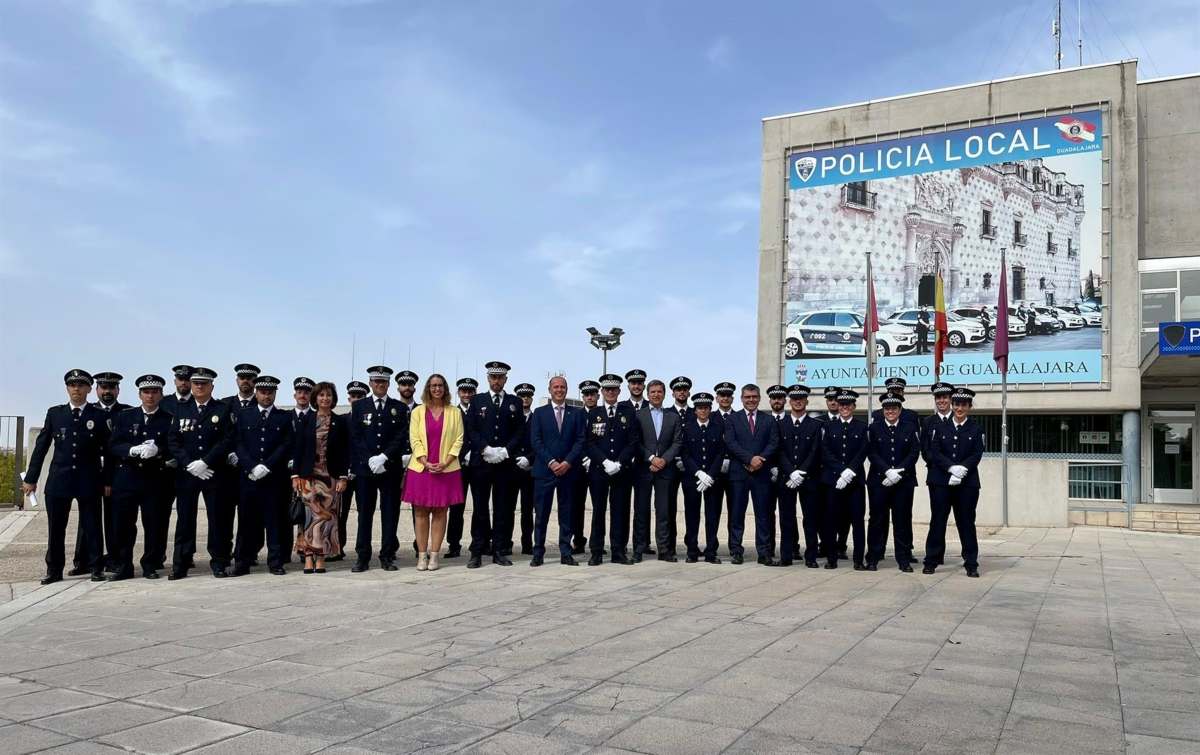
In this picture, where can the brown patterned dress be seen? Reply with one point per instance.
(318, 536)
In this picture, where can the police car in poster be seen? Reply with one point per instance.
(947, 204)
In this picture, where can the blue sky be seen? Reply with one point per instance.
(211, 182)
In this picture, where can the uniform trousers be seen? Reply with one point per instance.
(610, 497)
(108, 535)
(544, 491)
(848, 504)
(187, 497)
(344, 514)
(673, 505)
(894, 502)
(695, 503)
(454, 519)
(579, 509)
(493, 497)
(221, 511)
(811, 495)
(58, 513)
(754, 489)
(152, 496)
(652, 486)
(268, 500)
(943, 500)
(788, 525)
(384, 490)
(524, 496)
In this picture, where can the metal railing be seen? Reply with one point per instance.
(1020, 239)
(1051, 247)
(987, 231)
(857, 196)
(1096, 480)
(12, 459)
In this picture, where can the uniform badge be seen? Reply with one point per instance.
(393, 411)
(367, 418)
(624, 420)
(91, 424)
(110, 424)
(512, 408)
(215, 419)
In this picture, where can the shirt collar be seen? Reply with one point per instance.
(891, 424)
(958, 424)
(73, 407)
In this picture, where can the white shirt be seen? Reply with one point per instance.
(80, 407)
(798, 418)
(958, 424)
(891, 424)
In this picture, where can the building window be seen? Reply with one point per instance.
(1037, 175)
(1018, 278)
(1019, 238)
(1071, 250)
(987, 280)
(987, 230)
(1077, 435)
(1041, 284)
(1051, 247)
(1095, 480)
(855, 195)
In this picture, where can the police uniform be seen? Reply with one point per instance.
(637, 376)
(108, 509)
(80, 438)
(935, 420)
(589, 391)
(776, 393)
(201, 439)
(379, 431)
(454, 519)
(799, 478)
(893, 451)
(299, 416)
(230, 486)
(896, 386)
(843, 450)
(264, 447)
(842, 525)
(955, 450)
(612, 437)
(724, 491)
(524, 478)
(495, 426)
(703, 451)
(355, 390)
(174, 399)
(685, 413)
(141, 481)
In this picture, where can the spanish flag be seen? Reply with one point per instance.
(939, 326)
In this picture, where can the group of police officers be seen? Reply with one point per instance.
(118, 461)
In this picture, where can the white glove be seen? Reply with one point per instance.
(231, 459)
(956, 481)
(377, 463)
(888, 482)
(501, 453)
(679, 464)
(893, 476)
(702, 486)
(849, 474)
(841, 483)
(774, 474)
(149, 450)
(491, 454)
(705, 479)
(725, 466)
(405, 459)
(959, 471)
(198, 468)
(136, 451)
(207, 475)
(523, 463)
(797, 477)
(260, 471)
(612, 467)
(587, 464)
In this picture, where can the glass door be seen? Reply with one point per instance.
(1172, 432)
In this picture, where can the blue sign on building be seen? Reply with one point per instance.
(1179, 338)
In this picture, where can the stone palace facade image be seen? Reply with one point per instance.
(957, 221)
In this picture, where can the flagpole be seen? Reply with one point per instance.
(1000, 354)
(1004, 443)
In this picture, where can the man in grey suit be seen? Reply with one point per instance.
(662, 437)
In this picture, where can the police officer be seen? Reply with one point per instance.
(893, 447)
(955, 450)
(799, 470)
(942, 412)
(79, 432)
(832, 411)
(635, 381)
(108, 388)
(141, 480)
(724, 391)
(522, 474)
(777, 401)
(302, 388)
(201, 438)
(612, 448)
(703, 452)
(406, 386)
(454, 527)
(245, 374)
(355, 390)
(589, 393)
(182, 394)
(681, 390)
(495, 426)
(378, 442)
(264, 445)
(895, 386)
(843, 450)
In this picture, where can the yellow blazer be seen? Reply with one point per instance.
(452, 437)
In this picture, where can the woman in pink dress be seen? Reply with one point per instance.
(434, 480)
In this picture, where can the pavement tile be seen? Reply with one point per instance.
(756, 742)
(171, 735)
(263, 743)
(48, 703)
(1141, 744)
(341, 720)
(831, 714)
(270, 674)
(192, 695)
(11, 686)
(132, 683)
(716, 709)
(515, 743)
(488, 709)
(258, 709)
(659, 735)
(18, 739)
(423, 734)
(628, 698)
(86, 723)
(1163, 723)
(576, 723)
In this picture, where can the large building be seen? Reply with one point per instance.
(1087, 182)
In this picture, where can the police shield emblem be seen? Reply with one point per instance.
(1174, 334)
(90, 424)
(216, 419)
(805, 167)
(393, 411)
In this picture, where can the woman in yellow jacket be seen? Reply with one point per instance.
(434, 480)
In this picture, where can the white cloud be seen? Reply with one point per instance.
(42, 150)
(574, 265)
(207, 99)
(720, 52)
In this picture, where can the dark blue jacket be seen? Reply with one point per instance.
(950, 445)
(171, 403)
(800, 448)
(373, 432)
(489, 426)
(551, 444)
(617, 439)
(906, 415)
(896, 447)
(206, 434)
(76, 469)
(132, 428)
(843, 446)
(743, 446)
(267, 442)
(337, 446)
(928, 425)
(703, 447)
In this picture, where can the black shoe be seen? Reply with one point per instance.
(475, 561)
(78, 571)
(872, 567)
(120, 575)
(388, 565)
(50, 579)
(595, 560)
(360, 566)
(176, 574)
(637, 558)
(692, 558)
(536, 561)
(906, 568)
(648, 551)
(454, 552)
(338, 557)
(928, 569)
(973, 572)
(501, 560)
(668, 557)
(219, 573)
(831, 564)
(567, 561)
(712, 559)
(308, 571)
(859, 567)
(764, 560)
(736, 559)
(579, 548)
(98, 576)
(622, 559)
(811, 563)
(278, 571)
(150, 574)
(783, 562)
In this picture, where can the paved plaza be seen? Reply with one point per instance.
(1073, 640)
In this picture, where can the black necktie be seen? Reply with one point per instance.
(379, 405)
(496, 400)
(264, 415)
(611, 412)
(245, 403)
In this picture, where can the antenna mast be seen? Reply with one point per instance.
(1079, 27)
(1057, 29)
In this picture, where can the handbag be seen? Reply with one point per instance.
(297, 509)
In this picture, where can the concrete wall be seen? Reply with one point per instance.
(1114, 84)
(1169, 166)
(1037, 494)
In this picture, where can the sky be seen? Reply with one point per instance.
(318, 186)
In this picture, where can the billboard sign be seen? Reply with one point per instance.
(946, 205)
(1179, 338)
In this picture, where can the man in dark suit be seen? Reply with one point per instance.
(895, 386)
(141, 480)
(494, 427)
(556, 436)
(79, 432)
(702, 451)
(955, 450)
(108, 388)
(613, 446)
(355, 390)
(893, 447)
(662, 436)
(799, 472)
(378, 441)
(589, 394)
(264, 448)
(752, 437)
(201, 438)
(522, 476)
(843, 450)
(466, 388)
